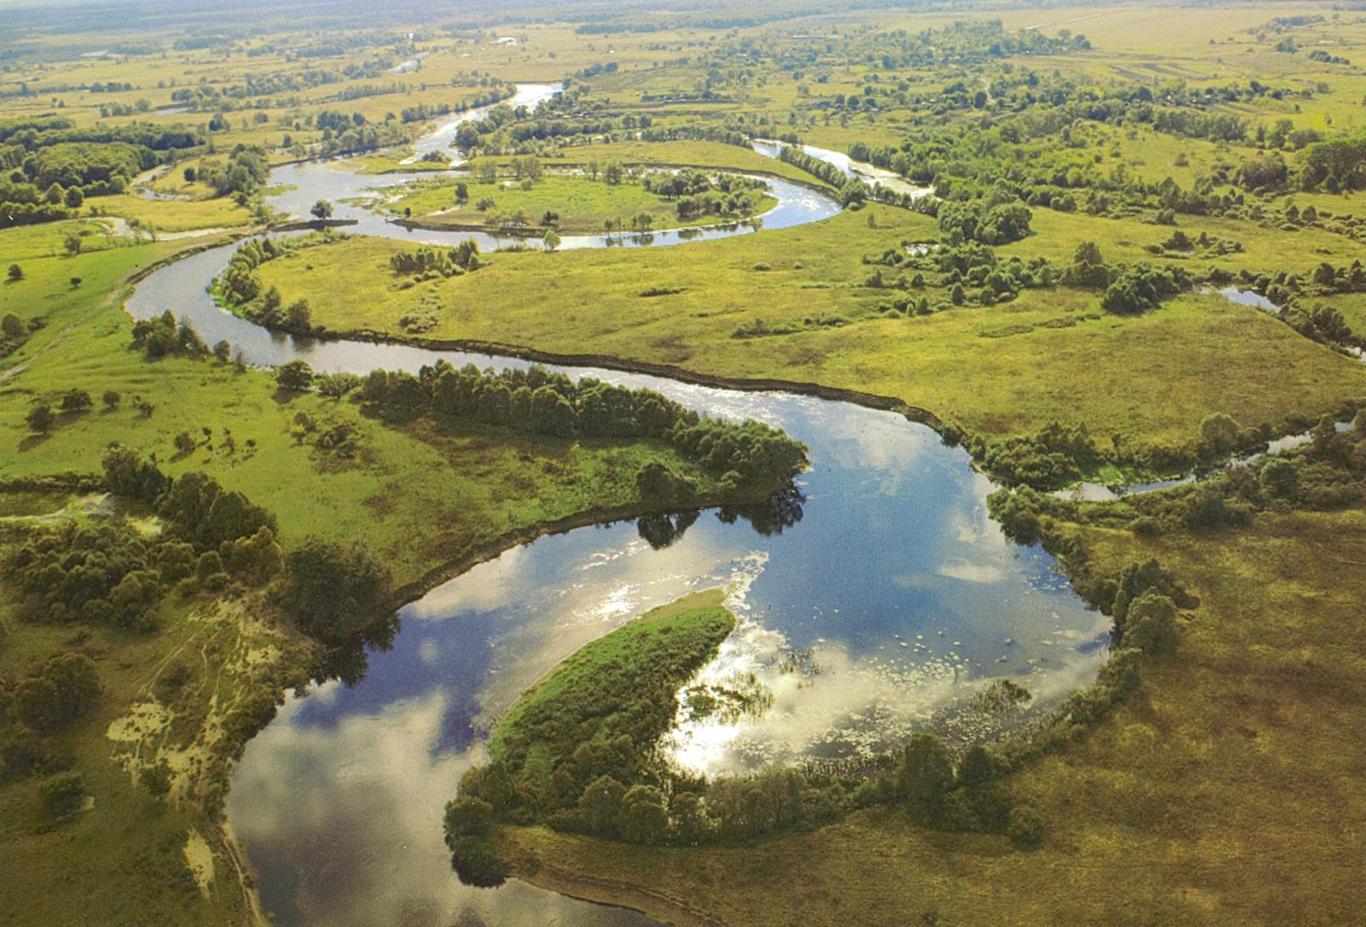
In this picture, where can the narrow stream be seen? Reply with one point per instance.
(875, 606)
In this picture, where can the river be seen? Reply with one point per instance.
(875, 605)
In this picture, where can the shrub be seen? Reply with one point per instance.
(62, 795)
(1025, 827)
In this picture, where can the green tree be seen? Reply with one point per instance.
(16, 273)
(332, 593)
(467, 816)
(321, 210)
(71, 244)
(644, 819)
(295, 375)
(925, 774)
(66, 688)
(1219, 433)
(12, 327)
(600, 805)
(40, 418)
(1151, 624)
(977, 767)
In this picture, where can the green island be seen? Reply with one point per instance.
(602, 199)
(567, 747)
(269, 406)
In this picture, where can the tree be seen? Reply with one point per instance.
(1024, 827)
(332, 593)
(467, 816)
(462, 193)
(926, 775)
(1151, 624)
(322, 210)
(112, 399)
(66, 688)
(127, 474)
(76, 400)
(40, 418)
(16, 273)
(551, 240)
(600, 805)
(977, 767)
(74, 198)
(1219, 433)
(71, 244)
(298, 317)
(644, 819)
(295, 375)
(11, 326)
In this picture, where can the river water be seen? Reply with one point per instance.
(874, 605)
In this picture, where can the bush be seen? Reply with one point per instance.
(62, 795)
(40, 418)
(1025, 827)
(476, 864)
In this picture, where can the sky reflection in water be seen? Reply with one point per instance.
(903, 590)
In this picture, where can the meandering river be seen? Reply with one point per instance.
(875, 605)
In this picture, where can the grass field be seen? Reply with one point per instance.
(996, 370)
(1229, 793)
(1226, 794)
(583, 204)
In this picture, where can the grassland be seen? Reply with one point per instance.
(126, 858)
(583, 204)
(174, 215)
(1230, 793)
(1049, 355)
(422, 496)
(1226, 794)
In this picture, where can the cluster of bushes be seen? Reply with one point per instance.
(1128, 290)
(243, 174)
(1291, 292)
(52, 166)
(429, 262)
(162, 336)
(32, 708)
(700, 194)
(1051, 457)
(1328, 473)
(111, 574)
(748, 454)
(998, 220)
(14, 331)
(960, 266)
